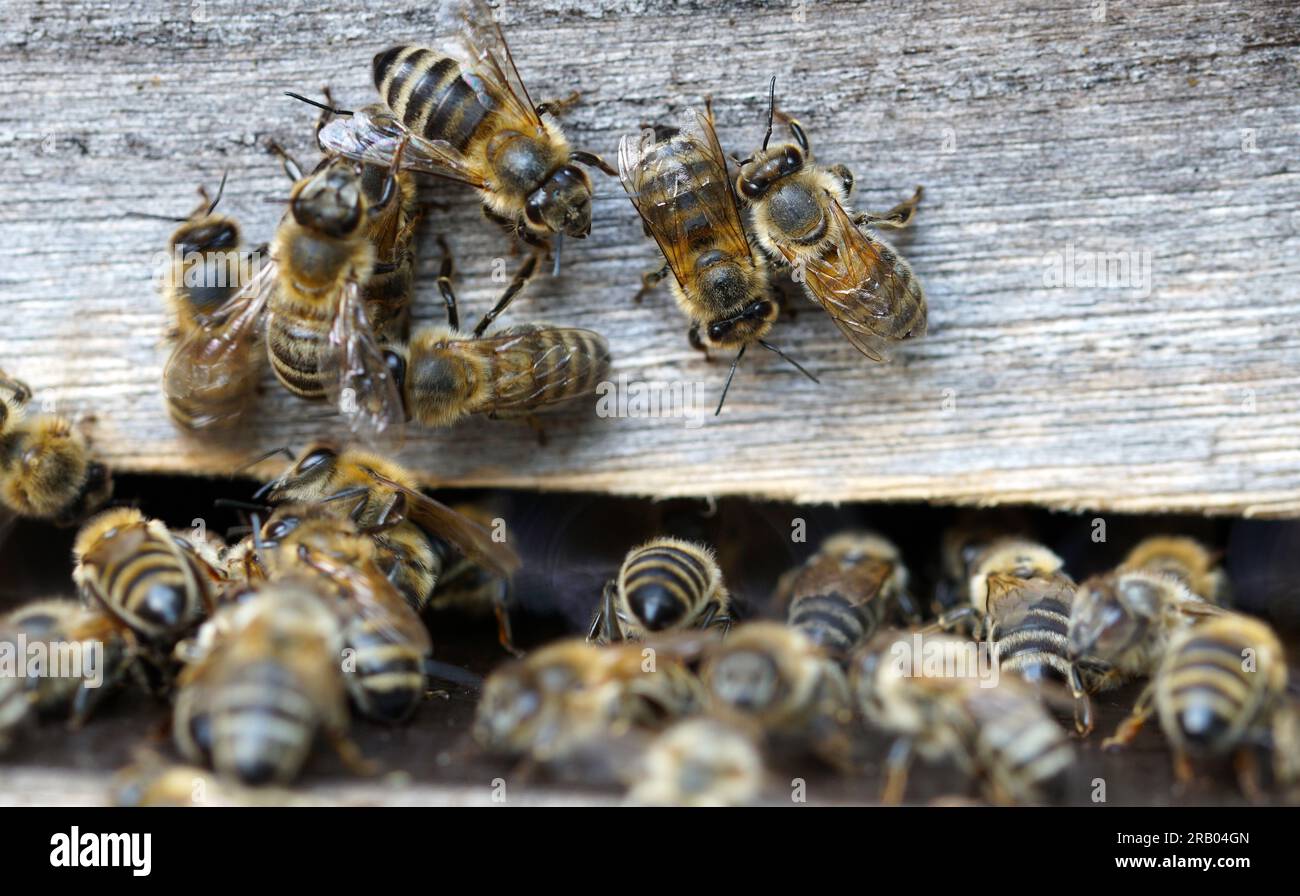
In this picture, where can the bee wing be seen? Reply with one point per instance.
(356, 377)
(373, 135)
(487, 65)
(866, 289)
(536, 374)
(372, 597)
(669, 191)
(219, 352)
(458, 530)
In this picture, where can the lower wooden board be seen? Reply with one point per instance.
(1110, 238)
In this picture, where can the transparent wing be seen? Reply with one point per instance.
(541, 366)
(458, 530)
(373, 135)
(371, 596)
(867, 290)
(220, 357)
(355, 375)
(487, 64)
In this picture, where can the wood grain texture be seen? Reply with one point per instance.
(1164, 130)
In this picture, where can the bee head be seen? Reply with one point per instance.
(211, 233)
(750, 325)
(763, 170)
(562, 204)
(1108, 616)
(331, 201)
(746, 679)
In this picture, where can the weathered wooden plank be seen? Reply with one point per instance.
(1164, 131)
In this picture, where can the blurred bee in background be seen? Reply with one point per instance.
(1000, 735)
(569, 695)
(1220, 690)
(677, 180)
(70, 633)
(46, 469)
(462, 113)
(1185, 559)
(446, 375)
(384, 501)
(798, 215)
(775, 677)
(699, 762)
(150, 780)
(146, 577)
(842, 594)
(665, 584)
(264, 681)
(387, 644)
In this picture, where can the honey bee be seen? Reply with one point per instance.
(462, 113)
(1001, 735)
(318, 335)
(771, 675)
(842, 594)
(1219, 690)
(664, 584)
(267, 679)
(699, 762)
(1187, 560)
(46, 469)
(680, 187)
(798, 214)
(384, 501)
(152, 781)
(445, 374)
(145, 576)
(90, 641)
(551, 703)
(386, 644)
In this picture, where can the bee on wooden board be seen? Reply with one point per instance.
(663, 585)
(798, 214)
(462, 113)
(46, 468)
(678, 182)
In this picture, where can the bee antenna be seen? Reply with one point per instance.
(154, 217)
(559, 244)
(452, 673)
(725, 389)
(318, 105)
(772, 348)
(220, 189)
(258, 545)
(282, 450)
(771, 110)
(241, 505)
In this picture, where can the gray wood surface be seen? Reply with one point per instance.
(1166, 131)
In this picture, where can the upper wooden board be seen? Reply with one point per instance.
(1110, 237)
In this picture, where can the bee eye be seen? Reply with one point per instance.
(316, 458)
(756, 309)
(719, 330)
(793, 159)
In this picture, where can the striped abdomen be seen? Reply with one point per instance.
(832, 621)
(388, 299)
(1036, 645)
(666, 584)
(412, 562)
(1018, 744)
(425, 90)
(1205, 695)
(156, 589)
(691, 214)
(261, 724)
(296, 337)
(387, 677)
(541, 366)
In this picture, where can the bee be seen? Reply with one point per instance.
(842, 594)
(46, 469)
(150, 780)
(318, 335)
(383, 500)
(680, 187)
(1002, 735)
(1124, 621)
(699, 762)
(387, 643)
(462, 113)
(1187, 560)
(664, 584)
(268, 678)
(550, 704)
(148, 578)
(445, 374)
(771, 675)
(93, 656)
(1219, 690)
(798, 214)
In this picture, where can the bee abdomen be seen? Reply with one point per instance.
(295, 352)
(154, 589)
(1025, 744)
(426, 91)
(389, 676)
(1037, 647)
(262, 726)
(1209, 692)
(830, 620)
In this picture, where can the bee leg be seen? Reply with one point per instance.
(326, 114)
(556, 108)
(501, 610)
(445, 274)
(949, 620)
(522, 276)
(19, 392)
(1129, 728)
(1083, 721)
(649, 280)
(845, 177)
(896, 218)
(693, 337)
(591, 160)
(351, 754)
(539, 430)
(910, 609)
(603, 623)
(291, 166)
(898, 763)
(1184, 771)
(1248, 774)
